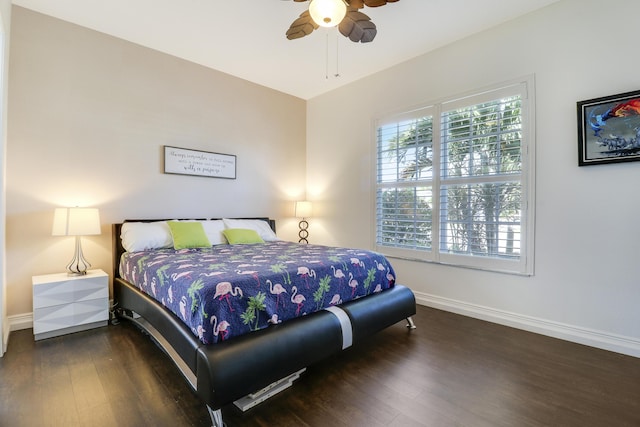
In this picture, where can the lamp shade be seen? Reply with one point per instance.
(303, 209)
(76, 222)
(327, 13)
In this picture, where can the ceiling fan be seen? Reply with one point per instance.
(344, 13)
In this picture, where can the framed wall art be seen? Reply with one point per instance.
(184, 161)
(609, 129)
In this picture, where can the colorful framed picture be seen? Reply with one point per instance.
(609, 129)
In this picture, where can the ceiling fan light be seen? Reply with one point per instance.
(327, 13)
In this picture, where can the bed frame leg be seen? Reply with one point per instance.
(216, 417)
(410, 323)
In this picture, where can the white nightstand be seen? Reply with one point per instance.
(63, 304)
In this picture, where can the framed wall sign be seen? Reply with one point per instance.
(609, 129)
(184, 161)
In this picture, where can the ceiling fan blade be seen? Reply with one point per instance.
(358, 27)
(377, 3)
(303, 26)
(358, 4)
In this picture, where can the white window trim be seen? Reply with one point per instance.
(524, 266)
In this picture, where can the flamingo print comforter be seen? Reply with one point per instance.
(229, 290)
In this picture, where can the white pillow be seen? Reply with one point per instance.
(144, 236)
(213, 229)
(258, 225)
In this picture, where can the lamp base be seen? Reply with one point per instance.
(303, 233)
(74, 274)
(78, 265)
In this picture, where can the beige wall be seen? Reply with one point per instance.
(5, 23)
(88, 116)
(586, 282)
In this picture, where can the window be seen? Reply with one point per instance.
(454, 181)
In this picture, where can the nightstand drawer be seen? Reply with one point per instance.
(56, 293)
(69, 315)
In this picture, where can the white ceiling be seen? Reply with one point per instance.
(246, 38)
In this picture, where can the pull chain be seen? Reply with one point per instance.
(326, 59)
(337, 55)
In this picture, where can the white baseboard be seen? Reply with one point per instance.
(603, 340)
(20, 321)
(5, 338)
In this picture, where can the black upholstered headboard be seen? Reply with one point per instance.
(118, 249)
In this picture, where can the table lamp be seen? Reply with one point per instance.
(76, 222)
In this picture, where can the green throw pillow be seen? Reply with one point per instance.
(242, 236)
(188, 234)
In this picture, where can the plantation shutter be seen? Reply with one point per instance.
(454, 181)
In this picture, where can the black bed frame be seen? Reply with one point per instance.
(225, 372)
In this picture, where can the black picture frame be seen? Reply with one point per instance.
(609, 129)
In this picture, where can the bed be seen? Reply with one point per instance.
(241, 321)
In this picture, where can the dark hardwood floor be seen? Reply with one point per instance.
(451, 371)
